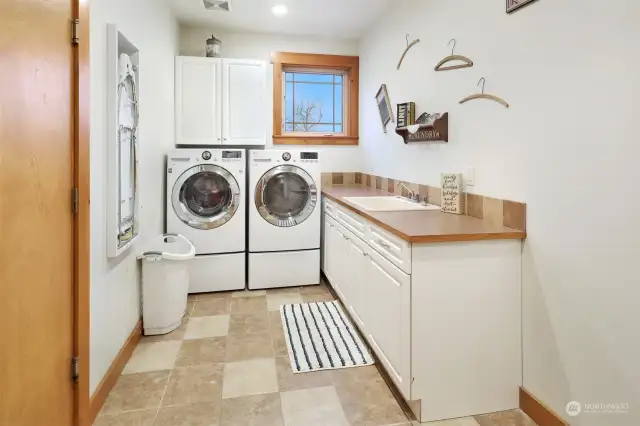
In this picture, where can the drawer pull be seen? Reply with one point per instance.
(383, 244)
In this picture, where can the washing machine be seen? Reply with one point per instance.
(284, 218)
(206, 203)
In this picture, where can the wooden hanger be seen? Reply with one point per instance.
(467, 62)
(485, 96)
(409, 46)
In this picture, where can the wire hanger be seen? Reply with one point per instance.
(409, 46)
(453, 57)
(485, 96)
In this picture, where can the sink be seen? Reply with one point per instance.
(388, 204)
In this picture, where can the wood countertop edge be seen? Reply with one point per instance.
(417, 239)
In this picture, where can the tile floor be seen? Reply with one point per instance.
(227, 365)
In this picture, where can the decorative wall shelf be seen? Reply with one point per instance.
(431, 132)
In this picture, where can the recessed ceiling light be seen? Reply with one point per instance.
(280, 10)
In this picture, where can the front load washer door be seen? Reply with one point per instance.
(286, 196)
(205, 197)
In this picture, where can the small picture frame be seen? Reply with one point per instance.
(384, 107)
(513, 5)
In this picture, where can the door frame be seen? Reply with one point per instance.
(81, 238)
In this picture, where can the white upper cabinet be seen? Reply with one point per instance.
(220, 101)
(198, 101)
(244, 110)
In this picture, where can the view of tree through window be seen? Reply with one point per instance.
(314, 102)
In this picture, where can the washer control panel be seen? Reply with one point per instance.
(206, 155)
(286, 156)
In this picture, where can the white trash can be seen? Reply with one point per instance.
(165, 283)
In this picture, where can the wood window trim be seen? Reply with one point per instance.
(350, 64)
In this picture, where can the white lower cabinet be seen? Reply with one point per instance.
(388, 320)
(444, 319)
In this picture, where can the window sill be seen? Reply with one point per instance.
(315, 140)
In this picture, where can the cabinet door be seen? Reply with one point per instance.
(326, 248)
(244, 110)
(388, 320)
(356, 296)
(340, 263)
(198, 101)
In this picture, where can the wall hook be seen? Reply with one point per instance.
(483, 81)
(454, 45)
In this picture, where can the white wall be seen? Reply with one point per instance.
(260, 46)
(568, 147)
(115, 293)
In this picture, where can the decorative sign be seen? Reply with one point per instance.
(513, 5)
(429, 134)
(452, 193)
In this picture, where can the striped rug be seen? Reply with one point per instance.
(321, 337)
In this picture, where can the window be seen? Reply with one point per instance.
(314, 102)
(315, 99)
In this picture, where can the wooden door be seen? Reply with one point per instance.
(198, 101)
(244, 102)
(357, 295)
(37, 125)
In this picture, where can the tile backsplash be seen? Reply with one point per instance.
(505, 212)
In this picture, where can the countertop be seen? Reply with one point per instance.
(422, 226)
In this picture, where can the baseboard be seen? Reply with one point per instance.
(538, 411)
(115, 370)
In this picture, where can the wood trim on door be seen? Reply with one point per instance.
(82, 218)
(538, 411)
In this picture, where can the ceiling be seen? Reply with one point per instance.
(336, 18)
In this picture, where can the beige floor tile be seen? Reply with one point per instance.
(241, 347)
(132, 418)
(288, 381)
(189, 385)
(464, 421)
(177, 334)
(202, 351)
(345, 376)
(217, 295)
(505, 418)
(275, 320)
(253, 377)
(246, 305)
(274, 301)
(320, 297)
(211, 307)
(283, 290)
(153, 357)
(313, 407)
(192, 298)
(199, 414)
(249, 293)
(370, 403)
(279, 343)
(136, 392)
(254, 322)
(204, 327)
(256, 410)
(313, 289)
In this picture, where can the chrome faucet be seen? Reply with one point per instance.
(412, 194)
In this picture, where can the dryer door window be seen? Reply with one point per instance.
(206, 197)
(286, 196)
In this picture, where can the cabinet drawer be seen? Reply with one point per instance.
(352, 221)
(329, 207)
(392, 248)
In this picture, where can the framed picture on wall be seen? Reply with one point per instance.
(513, 5)
(384, 107)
